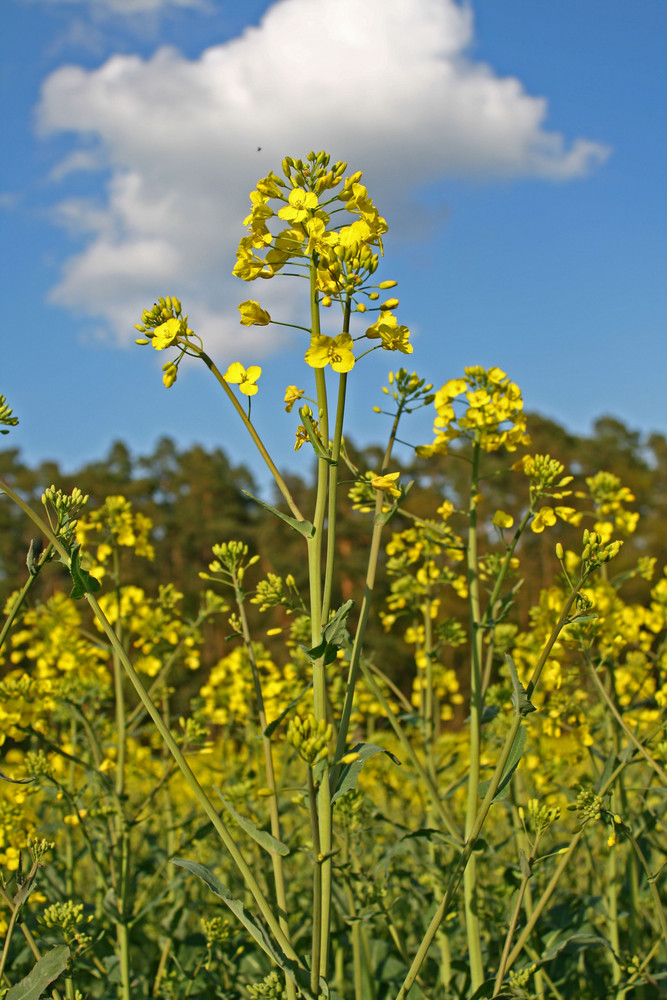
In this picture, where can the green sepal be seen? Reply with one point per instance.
(47, 969)
(306, 528)
(349, 775)
(311, 430)
(299, 976)
(334, 636)
(515, 755)
(522, 703)
(84, 583)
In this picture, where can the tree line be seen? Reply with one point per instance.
(195, 498)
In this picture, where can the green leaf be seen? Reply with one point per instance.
(272, 726)
(334, 636)
(521, 703)
(48, 968)
(485, 992)
(84, 583)
(349, 775)
(300, 976)
(516, 752)
(261, 837)
(304, 527)
(576, 942)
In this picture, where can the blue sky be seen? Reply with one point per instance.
(518, 151)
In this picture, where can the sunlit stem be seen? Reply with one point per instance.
(333, 479)
(371, 570)
(122, 836)
(317, 936)
(269, 770)
(320, 700)
(259, 444)
(476, 706)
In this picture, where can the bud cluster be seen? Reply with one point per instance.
(595, 551)
(275, 592)
(231, 562)
(6, 417)
(217, 930)
(540, 817)
(67, 509)
(270, 988)
(310, 738)
(589, 805)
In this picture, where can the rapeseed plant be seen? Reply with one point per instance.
(377, 840)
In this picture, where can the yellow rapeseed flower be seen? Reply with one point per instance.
(252, 314)
(387, 484)
(165, 335)
(301, 205)
(292, 395)
(334, 351)
(544, 518)
(245, 378)
(502, 520)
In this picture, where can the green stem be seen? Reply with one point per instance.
(333, 497)
(259, 444)
(466, 852)
(476, 708)
(25, 590)
(316, 945)
(333, 474)
(464, 858)
(440, 807)
(320, 700)
(269, 770)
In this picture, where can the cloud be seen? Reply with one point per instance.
(388, 86)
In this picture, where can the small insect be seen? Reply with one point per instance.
(259, 149)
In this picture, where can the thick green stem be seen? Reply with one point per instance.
(269, 771)
(333, 497)
(476, 708)
(316, 939)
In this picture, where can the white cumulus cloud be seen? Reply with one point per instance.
(388, 86)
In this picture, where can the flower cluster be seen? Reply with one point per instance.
(492, 412)
(6, 417)
(340, 257)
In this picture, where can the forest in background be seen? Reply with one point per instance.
(195, 499)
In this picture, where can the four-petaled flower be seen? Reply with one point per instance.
(393, 336)
(252, 314)
(502, 520)
(544, 518)
(165, 335)
(334, 351)
(387, 484)
(245, 378)
(301, 205)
